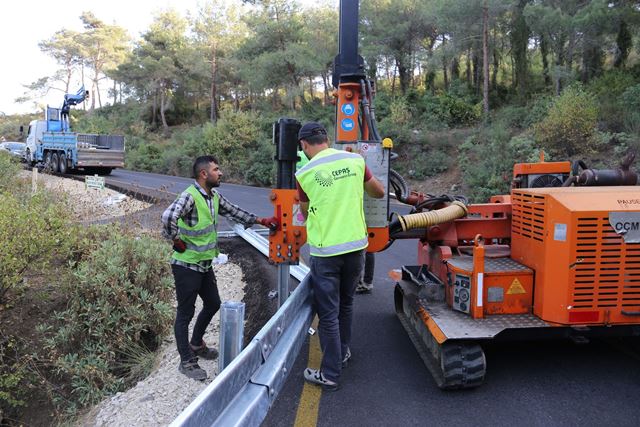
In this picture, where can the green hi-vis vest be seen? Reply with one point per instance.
(333, 181)
(303, 160)
(202, 239)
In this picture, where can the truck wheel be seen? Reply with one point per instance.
(54, 163)
(47, 161)
(62, 163)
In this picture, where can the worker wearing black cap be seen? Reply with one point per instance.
(331, 191)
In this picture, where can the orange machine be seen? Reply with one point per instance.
(550, 259)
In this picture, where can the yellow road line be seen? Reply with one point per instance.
(307, 414)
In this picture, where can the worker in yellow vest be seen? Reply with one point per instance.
(190, 222)
(331, 190)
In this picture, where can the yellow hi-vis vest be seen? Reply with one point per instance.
(202, 239)
(334, 182)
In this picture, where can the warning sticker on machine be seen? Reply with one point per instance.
(516, 288)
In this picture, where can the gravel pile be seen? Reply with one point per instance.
(89, 204)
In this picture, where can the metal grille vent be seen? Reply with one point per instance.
(527, 215)
(607, 271)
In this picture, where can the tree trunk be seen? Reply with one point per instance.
(496, 62)
(455, 68)
(519, 43)
(97, 86)
(445, 74)
(544, 51)
(154, 109)
(213, 116)
(477, 71)
(115, 92)
(468, 70)
(485, 59)
(393, 81)
(325, 83)
(403, 73)
(311, 87)
(624, 42)
(165, 126)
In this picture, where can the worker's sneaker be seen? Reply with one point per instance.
(192, 370)
(205, 352)
(364, 288)
(315, 376)
(346, 358)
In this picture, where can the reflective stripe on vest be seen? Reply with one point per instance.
(341, 248)
(201, 240)
(334, 182)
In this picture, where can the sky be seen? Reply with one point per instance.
(25, 23)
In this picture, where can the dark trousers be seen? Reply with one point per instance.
(190, 284)
(334, 280)
(369, 267)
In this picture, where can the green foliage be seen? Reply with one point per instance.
(487, 159)
(119, 308)
(9, 168)
(570, 124)
(146, 158)
(15, 375)
(232, 140)
(26, 248)
(262, 168)
(608, 90)
(524, 116)
(631, 108)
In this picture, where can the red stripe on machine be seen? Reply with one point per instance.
(583, 316)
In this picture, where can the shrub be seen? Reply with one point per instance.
(15, 376)
(262, 168)
(631, 107)
(30, 230)
(487, 159)
(232, 140)
(608, 90)
(570, 123)
(119, 300)
(9, 169)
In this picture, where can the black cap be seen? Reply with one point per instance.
(311, 129)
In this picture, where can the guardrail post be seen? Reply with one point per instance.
(231, 332)
(283, 283)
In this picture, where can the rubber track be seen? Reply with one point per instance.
(457, 365)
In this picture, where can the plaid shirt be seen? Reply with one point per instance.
(183, 207)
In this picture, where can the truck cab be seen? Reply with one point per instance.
(34, 138)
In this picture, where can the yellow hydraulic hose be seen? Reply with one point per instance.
(426, 219)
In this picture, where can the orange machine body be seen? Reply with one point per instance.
(585, 272)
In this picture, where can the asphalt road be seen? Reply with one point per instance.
(554, 383)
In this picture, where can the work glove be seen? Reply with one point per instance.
(271, 223)
(179, 245)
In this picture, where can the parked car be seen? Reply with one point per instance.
(16, 149)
